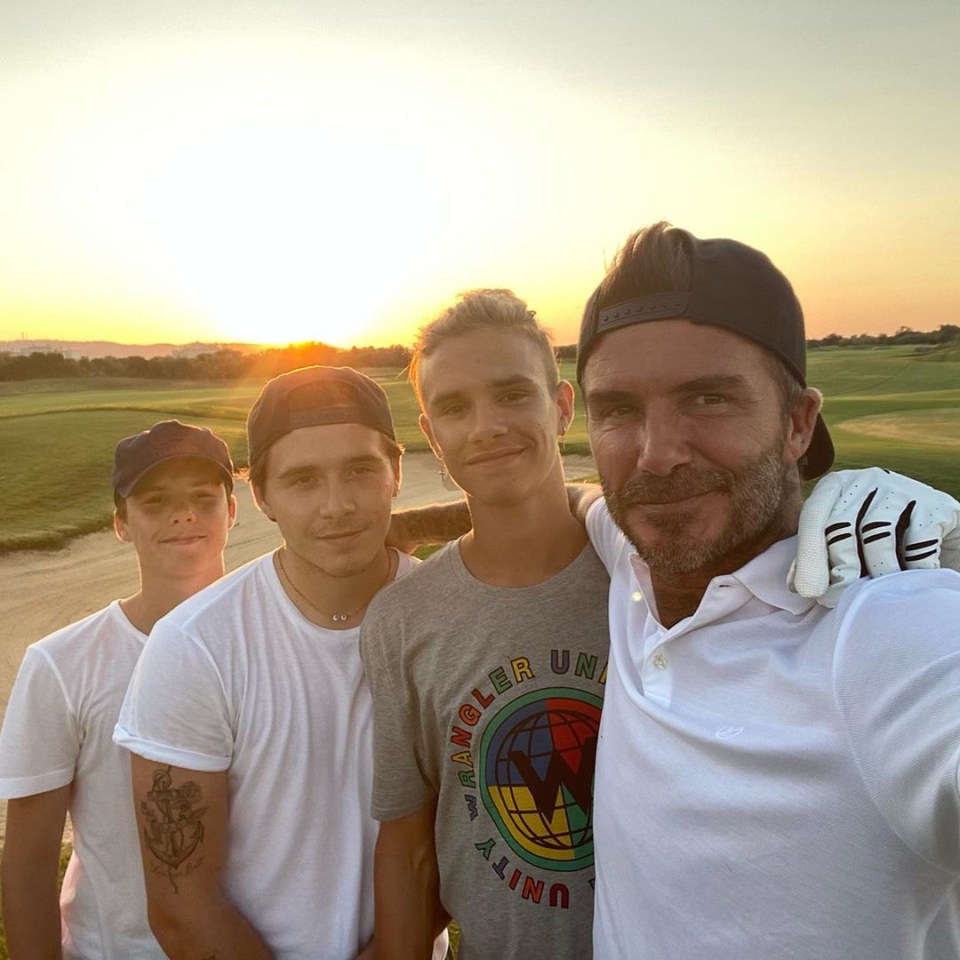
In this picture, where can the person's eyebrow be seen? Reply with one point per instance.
(706, 384)
(498, 384)
(713, 381)
(363, 459)
(296, 471)
(608, 396)
(299, 469)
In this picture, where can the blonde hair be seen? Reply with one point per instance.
(483, 309)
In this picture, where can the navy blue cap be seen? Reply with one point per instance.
(136, 456)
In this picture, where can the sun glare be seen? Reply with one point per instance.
(282, 173)
(276, 229)
(276, 218)
(277, 192)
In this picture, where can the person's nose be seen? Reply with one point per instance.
(661, 444)
(184, 511)
(337, 498)
(487, 422)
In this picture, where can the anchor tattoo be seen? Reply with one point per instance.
(174, 830)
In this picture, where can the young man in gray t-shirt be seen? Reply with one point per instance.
(487, 697)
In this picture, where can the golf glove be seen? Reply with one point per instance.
(865, 523)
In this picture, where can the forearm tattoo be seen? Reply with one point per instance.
(437, 524)
(173, 829)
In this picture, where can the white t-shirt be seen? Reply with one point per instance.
(237, 679)
(57, 730)
(776, 780)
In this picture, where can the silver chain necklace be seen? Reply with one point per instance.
(334, 617)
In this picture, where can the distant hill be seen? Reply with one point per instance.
(74, 349)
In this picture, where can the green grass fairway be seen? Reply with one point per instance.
(893, 407)
(890, 406)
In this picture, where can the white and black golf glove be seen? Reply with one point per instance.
(865, 523)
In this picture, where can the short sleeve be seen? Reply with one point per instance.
(897, 682)
(40, 740)
(604, 534)
(175, 710)
(400, 783)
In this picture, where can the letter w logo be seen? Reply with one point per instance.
(545, 791)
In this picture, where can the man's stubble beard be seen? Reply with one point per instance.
(758, 498)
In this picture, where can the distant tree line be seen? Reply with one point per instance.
(946, 333)
(227, 364)
(216, 365)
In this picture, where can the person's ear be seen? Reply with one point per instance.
(565, 406)
(397, 464)
(260, 500)
(427, 430)
(801, 423)
(120, 527)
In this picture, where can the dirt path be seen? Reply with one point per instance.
(43, 591)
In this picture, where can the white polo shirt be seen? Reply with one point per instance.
(776, 780)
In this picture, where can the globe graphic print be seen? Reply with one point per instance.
(537, 758)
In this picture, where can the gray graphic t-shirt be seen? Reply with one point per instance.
(489, 699)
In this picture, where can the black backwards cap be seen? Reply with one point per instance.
(312, 397)
(136, 456)
(732, 286)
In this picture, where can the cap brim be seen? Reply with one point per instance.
(819, 456)
(129, 487)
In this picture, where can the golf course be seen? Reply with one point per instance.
(896, 407)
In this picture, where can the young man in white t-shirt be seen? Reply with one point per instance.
(248, 716)
(173, 490)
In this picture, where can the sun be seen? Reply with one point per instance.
(276, 192)
(275, 231)
(274, 216)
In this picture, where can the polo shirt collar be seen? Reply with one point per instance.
(765, 576)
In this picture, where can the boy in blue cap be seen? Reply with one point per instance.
(173, 492)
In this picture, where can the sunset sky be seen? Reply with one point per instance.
(283, 170)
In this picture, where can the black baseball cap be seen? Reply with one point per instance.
(732, 286)
(136, 456)
(315, 396)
